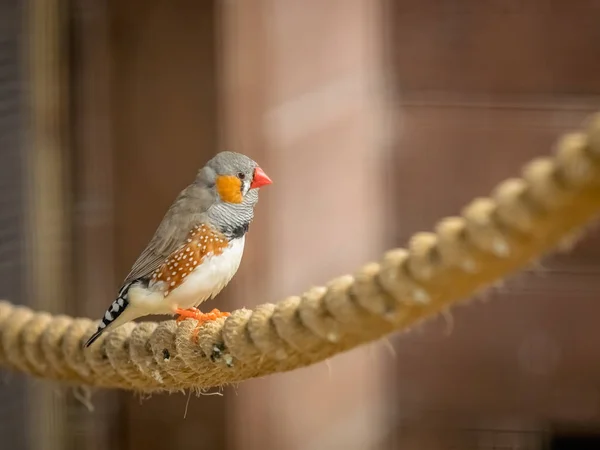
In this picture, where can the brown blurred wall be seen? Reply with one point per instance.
(486, 86)
(481, 87)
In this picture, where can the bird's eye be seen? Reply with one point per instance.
(241, 175)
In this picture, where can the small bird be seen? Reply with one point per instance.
(197, 248)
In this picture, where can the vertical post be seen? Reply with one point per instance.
(244, 80)
(93, 200)
(164, 128)
(302, 95)
(49, 202)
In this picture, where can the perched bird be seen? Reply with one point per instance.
(197, 248)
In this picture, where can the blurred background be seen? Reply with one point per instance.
(374, 118)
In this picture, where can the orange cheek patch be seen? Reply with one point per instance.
(229, 189)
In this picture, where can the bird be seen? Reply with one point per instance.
(196, 249)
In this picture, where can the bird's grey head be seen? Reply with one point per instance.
(235, 180)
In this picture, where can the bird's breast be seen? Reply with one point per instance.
(209, 277)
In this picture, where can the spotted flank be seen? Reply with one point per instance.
(202, 242)
(115, 310)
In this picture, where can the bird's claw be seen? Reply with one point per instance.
(199, 317)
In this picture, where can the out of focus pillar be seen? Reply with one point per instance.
(301, 95)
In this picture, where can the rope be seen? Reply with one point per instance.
(522, 220)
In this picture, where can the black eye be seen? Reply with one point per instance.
(241, 175)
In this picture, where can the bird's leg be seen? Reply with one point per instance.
(199, 317)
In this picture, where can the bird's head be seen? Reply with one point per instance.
(234, 177)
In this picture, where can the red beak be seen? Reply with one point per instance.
(260, 179)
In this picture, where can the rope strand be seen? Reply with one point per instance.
(521, 221)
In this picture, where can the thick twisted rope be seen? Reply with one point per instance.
(522, 220)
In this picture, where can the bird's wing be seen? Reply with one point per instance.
(155, 254)
(188, 210)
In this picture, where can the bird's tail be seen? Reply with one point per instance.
(113, 312)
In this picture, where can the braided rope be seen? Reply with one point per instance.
(523, 219)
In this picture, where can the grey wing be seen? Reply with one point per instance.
(187, 211)
(154, 255)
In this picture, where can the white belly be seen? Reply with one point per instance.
(203, 283)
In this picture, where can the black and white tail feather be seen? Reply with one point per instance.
(112, 313)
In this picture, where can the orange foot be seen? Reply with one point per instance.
(199, 317)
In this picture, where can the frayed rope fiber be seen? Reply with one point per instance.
(523, 219)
